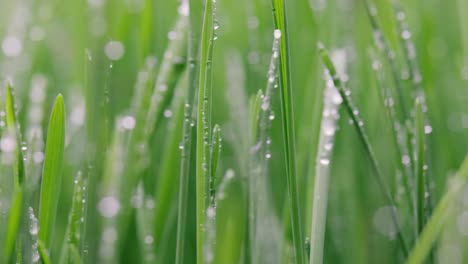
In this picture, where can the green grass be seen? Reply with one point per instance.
(52, 173)
(287, 119)
(218, 132)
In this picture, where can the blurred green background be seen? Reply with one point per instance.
(93, 52)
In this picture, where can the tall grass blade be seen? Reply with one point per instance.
(439, 217)
(167, 182)
(204, 123)
(14, 218)
(147, 114)
(73, 235)
(214, 158)
(191, 9)
(420, 177)
(52, 172)
(389, 55)
(358, 124)
(328, 126)
(287, 118)
(263, 225)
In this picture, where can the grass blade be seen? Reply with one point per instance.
(52, 172)
(166, 186)
(75, 224)
(385, 49)
(214, 158)
(203, 122)
(191, 9)
(439, 217)
(420, 181)
(358, 124)
(14, 217)
(322, 170)
(287, 118)
(43, 252)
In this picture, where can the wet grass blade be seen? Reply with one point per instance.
(193, 10)
(167, 182)
(75, 224)
(389, 55)
(14, 215)
(203, 123)
(214, 158)
(322, 172)
(43, 252)
(147, 109)
(287, 118)
(358, 124)
(441, 213)
(420, 181)
(52, 172)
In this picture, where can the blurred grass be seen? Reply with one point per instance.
(49, 47)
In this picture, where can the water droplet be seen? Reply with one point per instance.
(383, 221)
(253, 22)
(12, 46)
(109, 206)
(128, 122)
(167, 113)
(427, 129)
(277, 34)
(33, 223)
(405, 160)
(211, 212)
(114, 50)
(7, 144)
(172, 35)
(324, 161)
(406, 34)
(109, 235)
(149, 239)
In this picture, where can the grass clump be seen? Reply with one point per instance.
(209, 132)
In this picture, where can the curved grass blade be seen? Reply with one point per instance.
(437, 220)
(287, 118)
(203, 123)
(14, 217)
(358, 124)
(52, 173)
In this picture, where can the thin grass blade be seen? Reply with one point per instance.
(358, 124)
(14, 218)
(287, 118)
(436, 222)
